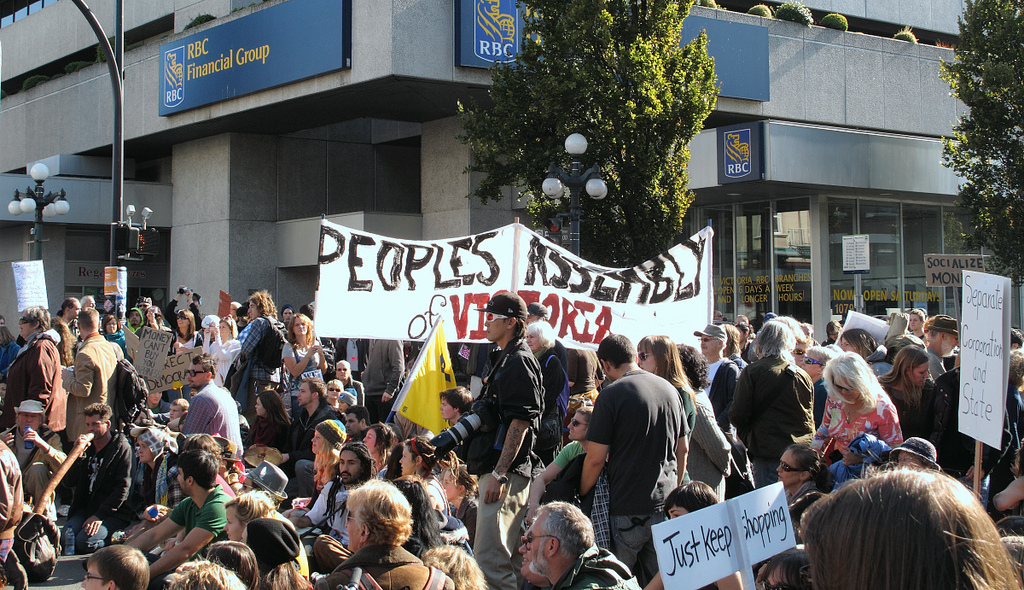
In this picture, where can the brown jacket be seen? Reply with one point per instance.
(11, 496)
(93, 378)
(35, 374)
(392, 568)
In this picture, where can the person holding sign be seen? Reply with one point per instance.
(865, 408)
(905, 529)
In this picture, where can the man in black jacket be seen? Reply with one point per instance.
(103, 472)
(298, 460)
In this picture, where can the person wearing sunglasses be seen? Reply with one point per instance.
(864, 408)
(566, 489)
(803, 471)
(813, 363)
(789, 570)
(123, 567)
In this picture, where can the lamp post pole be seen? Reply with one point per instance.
(575, 180)
(44, 205)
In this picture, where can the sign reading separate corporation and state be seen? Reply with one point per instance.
(944, 270)
(709, 544)
(280, 44)
(413, 284)
(740, 149)
(984, 356)
(30, 284)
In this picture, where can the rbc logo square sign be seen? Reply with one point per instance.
(739, 153)
(174, 76)
(487, 32)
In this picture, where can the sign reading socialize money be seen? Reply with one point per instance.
(374, 286)
(707, 545)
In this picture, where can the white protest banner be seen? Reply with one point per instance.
(874, 326)
(153, 348)
(173, 372)
(30, 283)
(762, 518)
(696, 549)
(373, 286)
(984, 356)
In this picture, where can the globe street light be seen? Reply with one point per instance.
(49, 205)
(575, 180)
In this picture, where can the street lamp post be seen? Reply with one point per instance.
(48, 205)
(575, 180)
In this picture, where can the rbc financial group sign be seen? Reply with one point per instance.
(740, 153)
(281, 44)
(487, 32)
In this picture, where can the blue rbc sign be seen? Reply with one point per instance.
(174, 76)
(740, 153)
(487, 32)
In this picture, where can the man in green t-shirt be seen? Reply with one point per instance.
(201, 515)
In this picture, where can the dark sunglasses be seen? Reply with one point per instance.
(576, 422)
(789, 468)
(333, 389)
(194, 372)
(799, 351)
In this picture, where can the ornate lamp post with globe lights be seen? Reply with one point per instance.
(575, 180)
(48, 205)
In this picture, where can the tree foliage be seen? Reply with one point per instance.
(614, 71)
(987, 148)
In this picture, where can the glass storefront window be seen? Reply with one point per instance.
(792, 240)
(842, 221)
(921, 236)
(723, 260)
(881, 286)
(753, 289)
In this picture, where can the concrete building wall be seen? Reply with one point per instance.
(933, 15)
(14, 246)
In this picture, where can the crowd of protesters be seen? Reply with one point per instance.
(279, 463)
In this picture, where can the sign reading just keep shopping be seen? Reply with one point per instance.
(740, 149)
(487, 32)
(280, 44)
(714, 542)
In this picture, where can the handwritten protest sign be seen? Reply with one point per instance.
(223, 305)
(944, 270)
(30, 283)
(131, 343)
(984, 356)
(422, 282)
(174, 369)
(153, 347)
(874, 326)
(707, 545)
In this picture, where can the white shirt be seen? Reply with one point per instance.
(712, 369)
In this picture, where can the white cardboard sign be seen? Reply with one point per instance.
(874, 326)
(984, 356)
(707, 545)
(30, 283)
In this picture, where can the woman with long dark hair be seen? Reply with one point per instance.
(426, 529)
(802, 471)
(912, 392)
(271, 425)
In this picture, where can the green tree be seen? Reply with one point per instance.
(614, 71)
(987, 148)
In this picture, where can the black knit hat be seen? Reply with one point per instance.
(272, 541)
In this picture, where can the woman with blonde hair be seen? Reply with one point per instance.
(905, 530)
(247, 507)
(912, 392)
(457, 565)
(301, 357)
(864, 407)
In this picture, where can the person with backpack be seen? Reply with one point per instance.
(380, 521)
(540, 339)
(259, 358)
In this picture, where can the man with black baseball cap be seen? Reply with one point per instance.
(514, 384)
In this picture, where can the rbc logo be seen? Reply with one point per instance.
(737, 153)
(494, 33)
(174, 77)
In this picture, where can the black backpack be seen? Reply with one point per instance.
(129, 396)
(268, 350)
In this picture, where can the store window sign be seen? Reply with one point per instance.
(281, 44)
(739, 153)
(856, 254)
(487, 32)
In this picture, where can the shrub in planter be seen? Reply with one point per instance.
(795, 12)
(906, 34)
(74, 66)
(33, 81)
(834, 21)
(760, 10)
(707, 3)
(202, 18)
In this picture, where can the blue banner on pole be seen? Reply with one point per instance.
(281, 44)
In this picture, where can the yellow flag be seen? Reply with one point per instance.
(431, 374)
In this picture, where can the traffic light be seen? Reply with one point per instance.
(126, 239)
(149, 242)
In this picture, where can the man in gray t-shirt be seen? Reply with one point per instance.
(639, 427)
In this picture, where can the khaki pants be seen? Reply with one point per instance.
(34, 480)
(499, 533)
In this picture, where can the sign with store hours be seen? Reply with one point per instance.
(856, 254)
